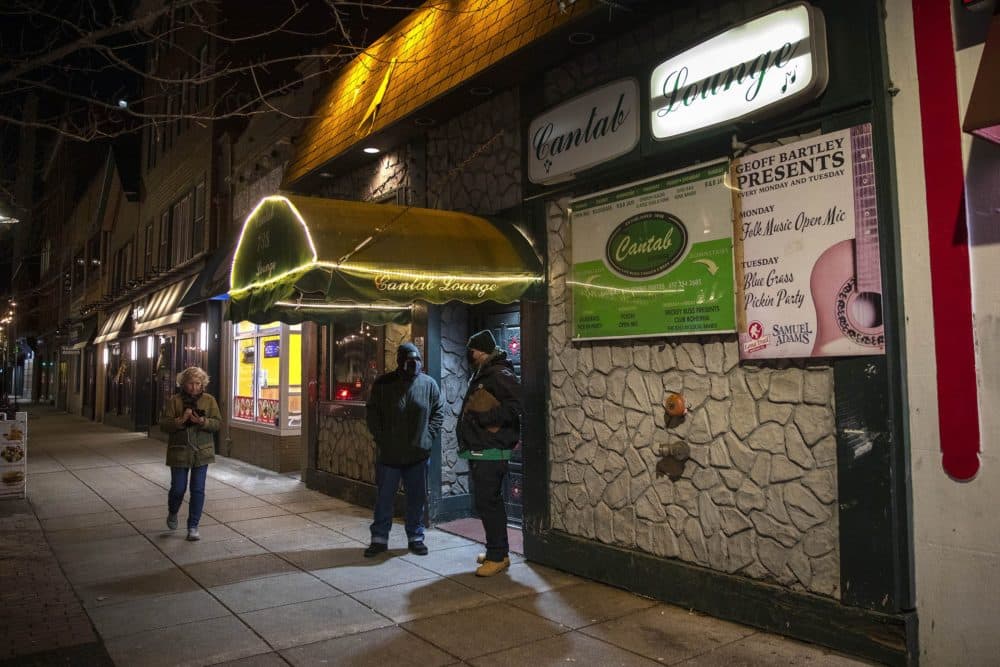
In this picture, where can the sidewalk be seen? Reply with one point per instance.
(279, 578)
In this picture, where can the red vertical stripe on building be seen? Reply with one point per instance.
(951, 289)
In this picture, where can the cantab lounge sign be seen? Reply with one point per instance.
(592, 128)
(760, 67)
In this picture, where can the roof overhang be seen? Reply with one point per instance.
(301, 258)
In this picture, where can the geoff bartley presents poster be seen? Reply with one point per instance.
(655, 257)
(809, 277)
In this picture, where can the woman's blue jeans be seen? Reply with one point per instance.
(178, 485)
(387, 479)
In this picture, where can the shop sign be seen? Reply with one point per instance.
(809, 278)
(271, 348)
(655, 257)
(758, 68)
(592, 128)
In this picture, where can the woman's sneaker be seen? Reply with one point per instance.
(172, 521)
(193, 535)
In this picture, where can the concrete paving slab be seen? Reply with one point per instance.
(298, 496)
(68, 507)
(83, 551)
(271, 525)
(213, 532)
(157, 499)
(115, 567)
(82, 521)
(165, 581)
(307, 622)
(238, 502)
(158, 511)
(438, 539)
(305, 538)
(560, 650)
(667, 634)
(408, 602)
(771, 651)
(90, 533)
(312, 505)
(118, 620)
(158, 525)
(385, 646)
(262, 660)
(582, 604)
(273, 591)
(352, 516)
(487, 629)
(449, 562)
(201, 552)
(318, 558)
(200, 643)
(373, 573)
(229, 571)
(246, 513)
(519, 580)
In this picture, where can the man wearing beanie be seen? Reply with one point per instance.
(488, 431)
(404, 416)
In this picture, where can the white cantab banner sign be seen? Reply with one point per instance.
(592, 128)
(760, 67)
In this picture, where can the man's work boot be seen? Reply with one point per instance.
(375, 548)
(492, 567)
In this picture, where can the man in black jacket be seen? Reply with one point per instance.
(404, 416)
(488, 431)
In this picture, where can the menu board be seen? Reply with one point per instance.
(13, 456)
(808, 272)
(654, 257)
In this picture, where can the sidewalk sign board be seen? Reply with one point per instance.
(13, 456)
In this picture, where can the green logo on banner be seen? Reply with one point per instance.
(646, 244)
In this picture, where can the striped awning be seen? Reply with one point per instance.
(162, 308)
(113, 325)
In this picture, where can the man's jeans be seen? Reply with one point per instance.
(179, 483)
(487, 492)
(387, 479)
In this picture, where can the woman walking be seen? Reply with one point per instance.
(191, 416)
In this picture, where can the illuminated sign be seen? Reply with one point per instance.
(760, 67)
(589, 129)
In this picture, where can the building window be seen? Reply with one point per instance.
(181, 222)
(147, 258)
(267, 374)
(198, 223)
(359, 353)
(164, 256)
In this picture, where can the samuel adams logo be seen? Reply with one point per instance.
(646, 245)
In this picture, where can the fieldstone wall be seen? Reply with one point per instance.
(345, 448)
(758, 496)
(454, 381)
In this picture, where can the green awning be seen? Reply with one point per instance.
(310, 258)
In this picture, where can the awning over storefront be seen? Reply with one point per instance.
(81, 334)
(309, 258)
(982, 118)
(213, 281)
(162, 308)
(113, 325)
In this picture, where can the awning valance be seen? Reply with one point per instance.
(311, 258)
(113, 325)
(213, 281)
(161, 309)
(982, 118)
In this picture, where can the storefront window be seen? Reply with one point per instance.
(359, 354)
(268, 374)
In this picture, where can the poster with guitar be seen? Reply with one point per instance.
(808, 272)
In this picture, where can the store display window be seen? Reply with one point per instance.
(267, 375)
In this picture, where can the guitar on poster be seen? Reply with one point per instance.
(846, 281)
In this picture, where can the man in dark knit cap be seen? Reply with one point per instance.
(488, 430)
(404, 416)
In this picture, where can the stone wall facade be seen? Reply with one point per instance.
(758, 495)
(454, 381)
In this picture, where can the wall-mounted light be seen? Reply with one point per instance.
(134, 349)
(150, 346)
(105, 356)
(203, 336)
(371, 150)
(123, 103)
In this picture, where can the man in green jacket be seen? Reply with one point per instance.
(404, 416)
(488, 431)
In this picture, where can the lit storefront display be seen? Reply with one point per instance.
(267, 375)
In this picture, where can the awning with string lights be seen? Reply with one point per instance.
(307, 258)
